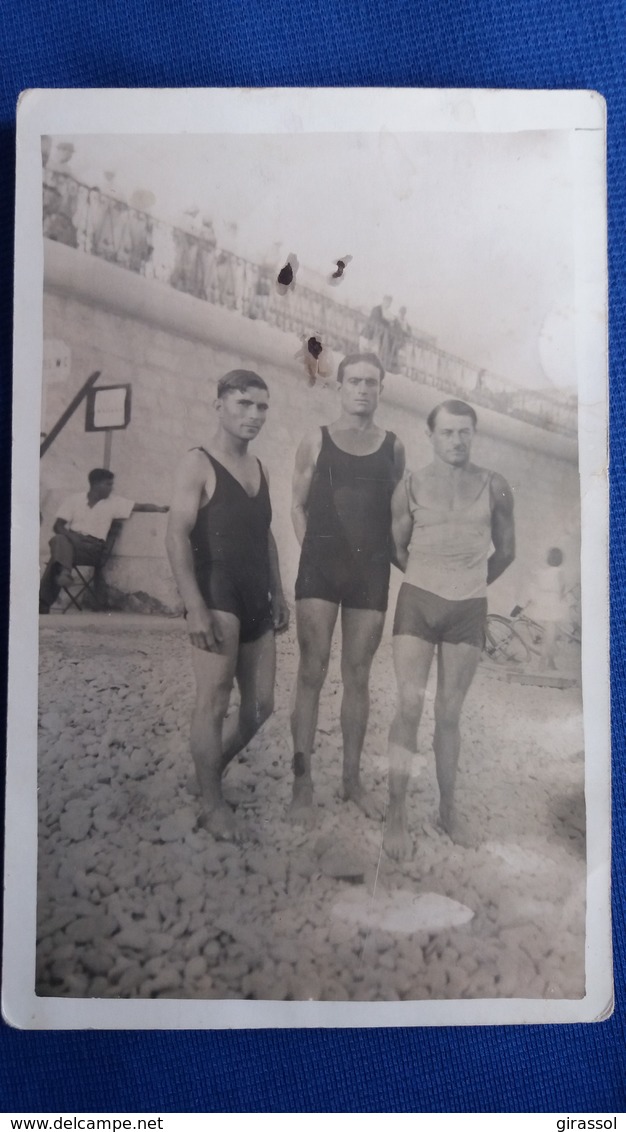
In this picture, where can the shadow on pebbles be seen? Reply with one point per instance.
(135, 900)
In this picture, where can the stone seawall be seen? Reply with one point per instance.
(173, 347)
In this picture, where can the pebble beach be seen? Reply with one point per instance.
(136, 901)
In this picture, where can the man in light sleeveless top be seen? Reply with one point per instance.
(224, 559)
(344, 479)
(454, 534)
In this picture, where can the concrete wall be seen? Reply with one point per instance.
(172, 348)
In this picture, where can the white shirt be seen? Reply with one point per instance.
(95, 521)
(547, 590)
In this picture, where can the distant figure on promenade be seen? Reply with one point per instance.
(58, 211)
(400, 333)
(206, 264)
(340, 266)
(479, 384)
(261, 293)
(316, 358)
(286, 278)
(109, 210)
(344, 479)
(224, 559)
(226, 289)
(80, 532)
(164, 255)
(188, 272)
(134, 240)
(378, 331)
(446, 518)
(61, 193)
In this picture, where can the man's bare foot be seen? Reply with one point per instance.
(396, 840)
(220, 823)
(192, 786)
(301, 806)
(354, 792)
(457, 828)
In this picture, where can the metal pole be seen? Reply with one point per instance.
(108, 442)
(67, 413)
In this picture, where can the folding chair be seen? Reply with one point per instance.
(91, 584)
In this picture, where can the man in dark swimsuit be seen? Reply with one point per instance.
(225, 562)
(344, 479)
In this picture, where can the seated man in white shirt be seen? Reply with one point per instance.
(80, 532)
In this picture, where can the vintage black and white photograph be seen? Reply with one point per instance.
(317, 726)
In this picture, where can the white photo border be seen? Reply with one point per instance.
(163, 112)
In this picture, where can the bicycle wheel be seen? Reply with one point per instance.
(503, 643)
(532, 633)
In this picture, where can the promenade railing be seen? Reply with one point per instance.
(188, 259)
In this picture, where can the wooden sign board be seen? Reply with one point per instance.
(108, 407)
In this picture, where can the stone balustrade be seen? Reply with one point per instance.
(189, 260)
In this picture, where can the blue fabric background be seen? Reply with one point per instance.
(485, 43)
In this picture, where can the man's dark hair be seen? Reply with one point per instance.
(99, 475)
(555, 556)
(239, 380)
(457, 408)
(354, 359)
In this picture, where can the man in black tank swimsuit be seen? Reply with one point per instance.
(344, 478)
(224, 559)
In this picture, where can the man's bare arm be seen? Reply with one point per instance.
(401, 523)
(399, 459)
(188, 485)
(502, 528)
(306, 458)
(280, 609)
(276, 584)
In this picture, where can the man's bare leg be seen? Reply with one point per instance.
(456, 666)
(58, 572)
(412, 658)
(214, 672)
(315, 622)
(256, 672)
(361, 632)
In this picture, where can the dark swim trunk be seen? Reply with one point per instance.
(249, 602)
(420, 613)
(343, 580)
